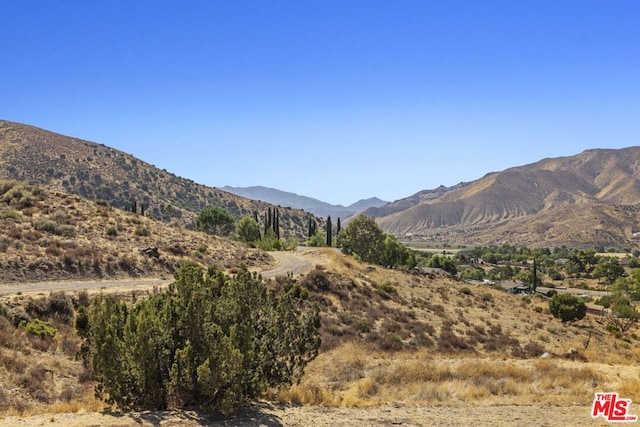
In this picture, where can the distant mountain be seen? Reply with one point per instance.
(309, 204)
(590, 199)
(94, 171)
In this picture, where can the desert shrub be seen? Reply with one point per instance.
(83, 299)
(47, 225)
(40, 329)
(10, 215)
(6, 185)
(5, 242)
(61, 306)
(58, 306)
(385, 290)
(448, 341)
(141, 231)
(210, 341)
(534, 349)
(466, 291)
(35, 380)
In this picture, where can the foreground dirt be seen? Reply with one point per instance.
(267, 415)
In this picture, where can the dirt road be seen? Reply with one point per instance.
(286, 262)
(289, 262)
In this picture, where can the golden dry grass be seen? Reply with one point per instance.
(354, 376)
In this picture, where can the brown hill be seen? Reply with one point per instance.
(584, 200)
(55, 236)
(97, 172)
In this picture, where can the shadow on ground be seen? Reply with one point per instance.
(256, 414)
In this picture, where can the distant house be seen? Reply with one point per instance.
(596, 310)
(515, 287)
(429, 270)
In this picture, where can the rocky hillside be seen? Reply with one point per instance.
(97, 172)
(589, 199)
(48, 236)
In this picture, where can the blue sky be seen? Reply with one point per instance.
(337, 100)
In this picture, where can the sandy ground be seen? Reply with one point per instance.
(264, 414)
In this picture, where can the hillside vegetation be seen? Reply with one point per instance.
(388, 336)
(54, 236)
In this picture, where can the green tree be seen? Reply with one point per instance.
(318, 240)
(329, 231)
(472, 274)
(443, 262)
(608, 269)
(215, 220)
(567, 307)
(248, 230)
(396, 254)
(312, 228)
(363, 237)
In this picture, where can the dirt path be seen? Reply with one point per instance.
(44, 287)
(286, 262)
(289, 262)
(264, 414)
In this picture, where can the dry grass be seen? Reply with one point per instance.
(482, 347)
(355, 376)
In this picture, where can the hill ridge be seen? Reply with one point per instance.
(539, 195)
(98, 172)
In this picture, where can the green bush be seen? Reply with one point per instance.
(11, 215)
(385, 290)
(567, 307)
(210, 340)
(40, 329)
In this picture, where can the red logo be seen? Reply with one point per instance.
(612, 408)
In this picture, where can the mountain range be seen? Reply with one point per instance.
(590, 199)
(315, 206)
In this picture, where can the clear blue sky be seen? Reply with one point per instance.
(337, 100)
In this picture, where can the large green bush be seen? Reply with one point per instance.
(210, 341)
(567, 307)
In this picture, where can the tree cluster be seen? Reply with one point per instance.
(363, 238)
(210, 341)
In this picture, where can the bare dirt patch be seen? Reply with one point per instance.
(265, 414)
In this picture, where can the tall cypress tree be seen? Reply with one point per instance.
(535, 276)
(329, 230)
(312, 227)
(276, 222)
(266, 224)
(338, 227)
